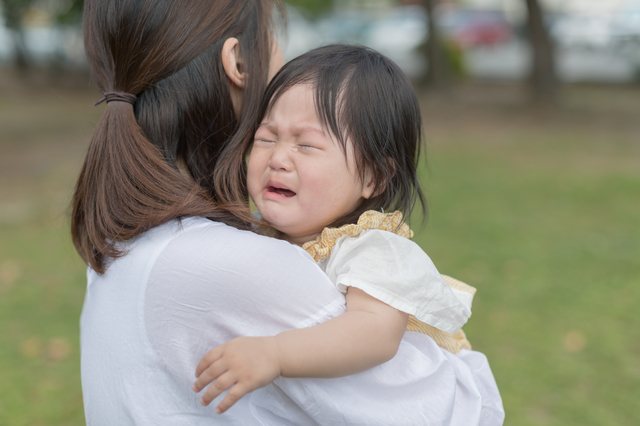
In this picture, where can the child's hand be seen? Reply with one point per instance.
(246, 363)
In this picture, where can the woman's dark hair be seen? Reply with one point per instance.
(168, 54)
(363, 97)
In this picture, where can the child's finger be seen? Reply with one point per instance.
(209, 375)
(210, 357)
(234, 394)
(221, 384)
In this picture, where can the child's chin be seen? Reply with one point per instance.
(276, 224)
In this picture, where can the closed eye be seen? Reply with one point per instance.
(307, 147)
(262, 141)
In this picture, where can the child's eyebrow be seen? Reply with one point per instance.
(305, 129)
(295, 129)
(267, 124)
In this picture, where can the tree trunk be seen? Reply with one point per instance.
(13, 10)
(20, 54)
(436, 75)
(543, 79)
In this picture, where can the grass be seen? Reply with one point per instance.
(537, 209)
(540, 212)
(44, 136)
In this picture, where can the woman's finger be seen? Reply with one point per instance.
(210, 374)
(234, 394)
(210, 357)
(222, 383)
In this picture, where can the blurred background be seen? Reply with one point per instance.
(532, 126)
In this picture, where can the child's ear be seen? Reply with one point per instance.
(369, 189)
(369, 184)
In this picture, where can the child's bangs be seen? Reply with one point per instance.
(329, 84)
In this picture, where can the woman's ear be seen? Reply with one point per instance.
(232, 63)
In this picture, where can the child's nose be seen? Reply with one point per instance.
(280, 159)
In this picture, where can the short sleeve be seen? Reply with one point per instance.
(396, 271)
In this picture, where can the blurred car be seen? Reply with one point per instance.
(302, 35)
(344, 27)
(625, 29)
(398, 35)
(582, 31)
(468, 28)
(403, 28)
(44, 45)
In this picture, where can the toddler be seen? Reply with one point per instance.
(337, 146)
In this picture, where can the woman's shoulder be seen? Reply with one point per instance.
(197, 234)
(193, 245)
(196, 247)
(217, 268)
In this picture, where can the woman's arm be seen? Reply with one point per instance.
(368, 334)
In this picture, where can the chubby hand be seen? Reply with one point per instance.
(243, 364)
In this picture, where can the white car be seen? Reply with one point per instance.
(398, 36)
(302, 35)
(46, 44)
(625, 30)
(583, 31)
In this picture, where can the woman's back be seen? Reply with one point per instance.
(123, 379)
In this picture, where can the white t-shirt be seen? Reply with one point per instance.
(184, 288)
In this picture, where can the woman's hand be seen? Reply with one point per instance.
(243, 364)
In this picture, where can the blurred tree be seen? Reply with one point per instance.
(68, 11)
(13, 11)
(63, 12)
(437, 75)
(544, 79)
(313, 7)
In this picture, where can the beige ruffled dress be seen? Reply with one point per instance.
(377, 256)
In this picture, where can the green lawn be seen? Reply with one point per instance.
(44, 133)
(541, 212)
(537, 209)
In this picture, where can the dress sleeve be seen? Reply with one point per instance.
(396, 271)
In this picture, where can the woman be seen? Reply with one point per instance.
(182, 82)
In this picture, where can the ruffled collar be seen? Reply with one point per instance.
(321, 247)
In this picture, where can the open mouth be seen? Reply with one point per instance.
(281, 191)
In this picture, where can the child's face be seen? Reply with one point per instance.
(298, 176)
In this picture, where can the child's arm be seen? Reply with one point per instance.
(368, 334)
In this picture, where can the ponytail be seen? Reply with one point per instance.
(167, 54)
(125, 188)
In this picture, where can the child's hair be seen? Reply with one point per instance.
(363, 97)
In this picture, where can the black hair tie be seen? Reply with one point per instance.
(117, 97)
